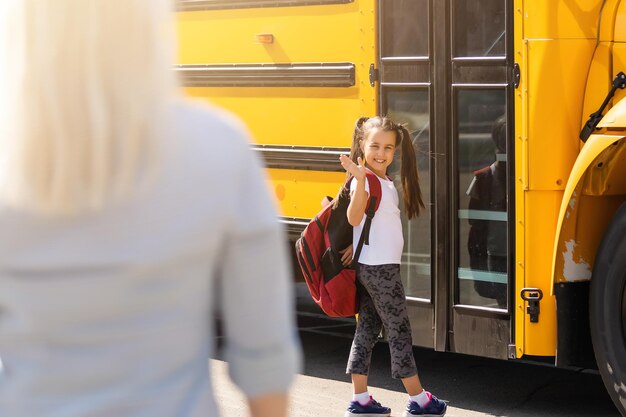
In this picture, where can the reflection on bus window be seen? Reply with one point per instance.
(482, 198)
(487, 239)
(479, 28)
(411, 107)
(405, 24)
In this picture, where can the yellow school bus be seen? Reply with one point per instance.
(522, 251)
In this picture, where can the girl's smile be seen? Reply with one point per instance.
(378, 148)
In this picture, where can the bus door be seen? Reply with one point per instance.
(445, 71)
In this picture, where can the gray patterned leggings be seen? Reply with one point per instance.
(382, 303)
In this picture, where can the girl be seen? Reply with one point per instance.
(382, 300)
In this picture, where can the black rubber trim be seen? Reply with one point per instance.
(293, 226)
(607, 308)
(574, 341)
(313, 74)
(310, 158)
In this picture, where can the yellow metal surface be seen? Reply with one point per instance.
(299, 115)
(541, 214)
(598, 81)
(619, 64)
(294, 116)
(555, 108)
(554, 105)
(615, 117)
(287, 115)
(606, 174)
(577, 237)
(328, 33)
(571, 19)
(620, 23)
(299, 193)
(607, 24)
(521, 169)
(557, 49)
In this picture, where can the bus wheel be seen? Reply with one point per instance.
(607, 308)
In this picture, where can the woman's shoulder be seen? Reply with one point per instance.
(200, 120)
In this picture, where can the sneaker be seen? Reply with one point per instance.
(372, 409)
(434, 408)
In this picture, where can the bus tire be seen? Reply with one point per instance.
(607, 309)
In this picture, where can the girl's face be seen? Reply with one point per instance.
(379, 147)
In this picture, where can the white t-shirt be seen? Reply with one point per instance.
(110, 313)
(386, 241)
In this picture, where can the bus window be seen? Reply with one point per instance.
(411, 106)
(479, 28)
(482, 197)
(405, 24)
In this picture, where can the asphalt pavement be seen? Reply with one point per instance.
(472, 386)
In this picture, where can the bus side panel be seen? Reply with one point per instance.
(598, 81)
(301, 116)
(308, 116)
(301, 34)
(292, 114)
(595, 190)
(554, 111)
(619, 65)
(541, 214)
(521, 170)
(299, 193)
(576, 19)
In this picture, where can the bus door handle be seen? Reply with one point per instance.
(532, 296)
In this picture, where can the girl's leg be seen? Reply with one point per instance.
(359, 383)
(367, 330)
(384, 284)
(412, 385)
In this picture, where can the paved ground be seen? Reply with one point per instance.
(473, 387)
(311, 397)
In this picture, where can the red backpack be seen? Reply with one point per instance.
(331, 284)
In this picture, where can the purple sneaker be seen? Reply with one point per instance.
(371, 409)
(434, 408)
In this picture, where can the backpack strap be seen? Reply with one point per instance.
(376, 192)
(373, 202)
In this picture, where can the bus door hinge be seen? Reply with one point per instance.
(373, 75)
(594, 118)
(532, 296)
(516, 75)
(511, 351)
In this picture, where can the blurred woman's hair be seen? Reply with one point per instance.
(83, 87)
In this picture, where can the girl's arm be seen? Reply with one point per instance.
(358, 199)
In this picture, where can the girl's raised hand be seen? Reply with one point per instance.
(357, 170)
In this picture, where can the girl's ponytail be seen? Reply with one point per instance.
(357, 136)
(409, 175)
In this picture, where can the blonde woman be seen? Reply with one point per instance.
(119, 204)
